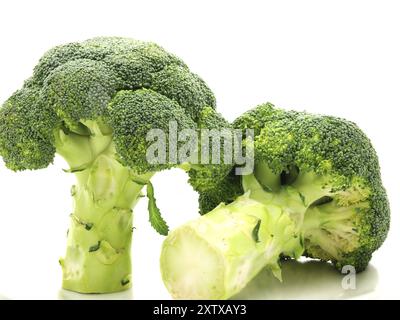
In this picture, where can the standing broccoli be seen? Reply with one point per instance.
(316, 191)
(93, 103)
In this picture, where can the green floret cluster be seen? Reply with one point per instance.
(79, 81)
(335, 169)
(133, 114)
(26, 135)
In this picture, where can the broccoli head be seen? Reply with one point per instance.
(315, 191)
(94, 103)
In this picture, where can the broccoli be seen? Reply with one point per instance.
(93, 103)
(315, 191)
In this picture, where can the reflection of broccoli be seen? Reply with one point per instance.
(93, 103)
(315, 191)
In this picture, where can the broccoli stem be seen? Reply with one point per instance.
(98, 255)
(289, 199)
(215, 256)
(98, 258)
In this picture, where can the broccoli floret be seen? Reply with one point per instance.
(334, 168)
(26, 136)
(213, 146)
(228, 190)
(94, 103)
(132, 114)
(315, 191)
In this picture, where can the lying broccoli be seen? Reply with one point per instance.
(93, 103)
(316, 191)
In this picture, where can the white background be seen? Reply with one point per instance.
(333, 57)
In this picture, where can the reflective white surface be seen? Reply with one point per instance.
(302, 280)
(308, 280)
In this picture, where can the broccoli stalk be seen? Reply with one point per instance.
(215, 256)
(234, 242)
(98, 255)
